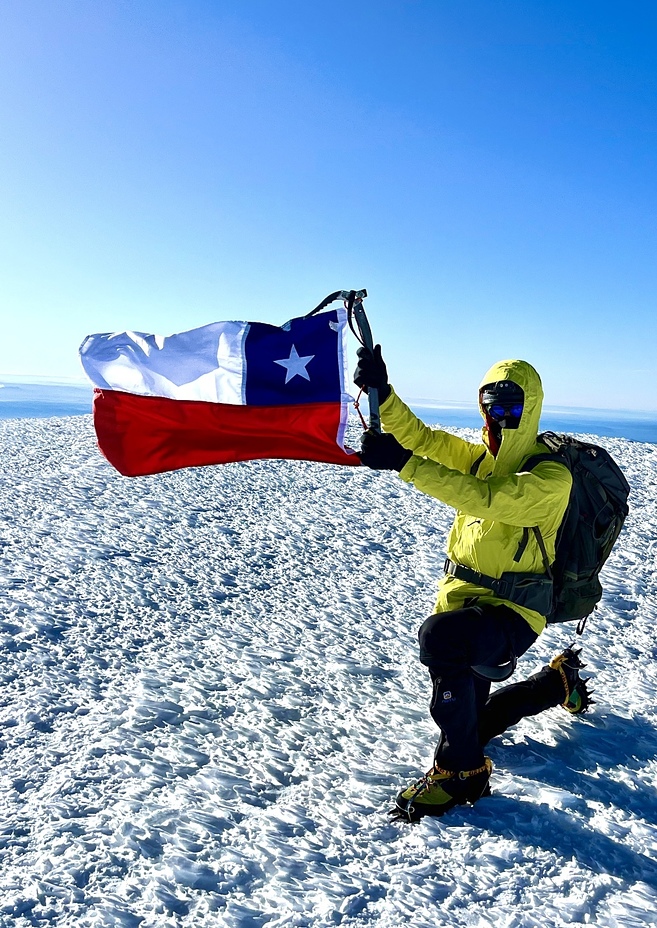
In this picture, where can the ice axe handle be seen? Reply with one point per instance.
(373, 393)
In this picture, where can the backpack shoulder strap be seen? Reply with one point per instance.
(541, 544)
(475, 466)
(553, 444)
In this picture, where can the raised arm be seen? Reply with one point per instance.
(400, 421)
(443, 447)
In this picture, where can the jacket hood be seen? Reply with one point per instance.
(517, 444)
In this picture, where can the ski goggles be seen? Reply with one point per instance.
(500, 411)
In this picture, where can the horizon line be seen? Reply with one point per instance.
(424, 402)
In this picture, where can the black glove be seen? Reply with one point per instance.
(382, 451)
(371, 372)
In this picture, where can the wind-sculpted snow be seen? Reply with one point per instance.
(211, 695)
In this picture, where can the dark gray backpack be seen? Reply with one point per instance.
(595, 515)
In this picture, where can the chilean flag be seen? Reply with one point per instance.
(229, 391)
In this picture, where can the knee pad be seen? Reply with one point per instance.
(444, 638)
(436, 640)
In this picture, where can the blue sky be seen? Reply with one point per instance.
(486, 169)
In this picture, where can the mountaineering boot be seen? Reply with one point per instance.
(578, 696)
(440, 790)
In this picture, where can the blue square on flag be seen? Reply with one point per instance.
(296, 363)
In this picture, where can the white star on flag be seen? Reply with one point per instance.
(295, 366)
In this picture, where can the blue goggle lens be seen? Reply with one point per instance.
(498, 412)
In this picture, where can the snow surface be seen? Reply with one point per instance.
(211, 696)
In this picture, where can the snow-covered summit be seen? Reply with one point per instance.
(211, 694)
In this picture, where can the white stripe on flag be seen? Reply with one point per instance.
(204, 364)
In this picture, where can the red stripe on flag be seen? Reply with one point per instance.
(142, 435)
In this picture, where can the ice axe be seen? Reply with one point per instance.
(353, 300)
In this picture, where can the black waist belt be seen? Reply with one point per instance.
(497, 584)
(533, 591)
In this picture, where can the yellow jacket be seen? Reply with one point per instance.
(496, 506)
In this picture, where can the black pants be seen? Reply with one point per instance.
(461, 705)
